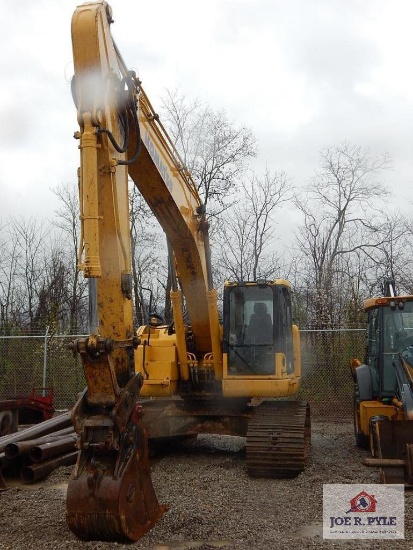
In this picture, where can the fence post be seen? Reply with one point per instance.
(45, 360)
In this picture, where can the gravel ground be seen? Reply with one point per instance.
(212, 501)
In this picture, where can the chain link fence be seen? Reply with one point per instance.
(28, 362)
(326, 380)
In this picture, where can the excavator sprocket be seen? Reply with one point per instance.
(278, 439)
(110, 495)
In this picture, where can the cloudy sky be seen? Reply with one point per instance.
(301, 74)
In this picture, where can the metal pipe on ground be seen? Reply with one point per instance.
(18, 448)
(13, 450)
(50, 449)
(32, 473)
(56, 423)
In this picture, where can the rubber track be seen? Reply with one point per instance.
(278, 439)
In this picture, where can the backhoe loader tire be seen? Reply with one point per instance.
(363, 391)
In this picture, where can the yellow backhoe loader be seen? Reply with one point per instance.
(383, 387)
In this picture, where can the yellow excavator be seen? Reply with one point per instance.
(383, 386)
(160, 381)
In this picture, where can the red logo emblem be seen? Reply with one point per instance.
(363, 502)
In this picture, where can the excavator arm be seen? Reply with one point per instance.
(121, 114)
(110, 495)
(172, 196)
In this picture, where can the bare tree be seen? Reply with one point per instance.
(8, 267)
(392, 256)
(147, 257)
(248, 232)
(213, 148)
(29, 236)
(68, 220)
(54, 292)
(338, 210)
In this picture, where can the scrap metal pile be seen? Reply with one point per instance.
(34, 452)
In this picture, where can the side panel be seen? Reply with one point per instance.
(253, 387)
(369, 409)
(157, 361)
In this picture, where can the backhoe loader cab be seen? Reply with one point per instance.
(389, 333)
(258, 330)
(383, 387)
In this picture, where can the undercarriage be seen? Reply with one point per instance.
(110, 495)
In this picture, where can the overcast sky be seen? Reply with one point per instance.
(301, 74)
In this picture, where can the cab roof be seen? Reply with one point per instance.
(383, 301)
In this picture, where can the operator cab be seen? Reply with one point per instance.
(389, 333)
(257, 327)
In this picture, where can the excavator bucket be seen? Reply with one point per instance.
(110, 495)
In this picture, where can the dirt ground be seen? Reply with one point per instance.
(212, 501)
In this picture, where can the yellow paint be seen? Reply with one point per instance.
(259, 387)
(172, 195)
(374, 408)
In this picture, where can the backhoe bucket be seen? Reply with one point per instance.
(110, 495)
(393, 439)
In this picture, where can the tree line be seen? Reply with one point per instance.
(346, 241)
